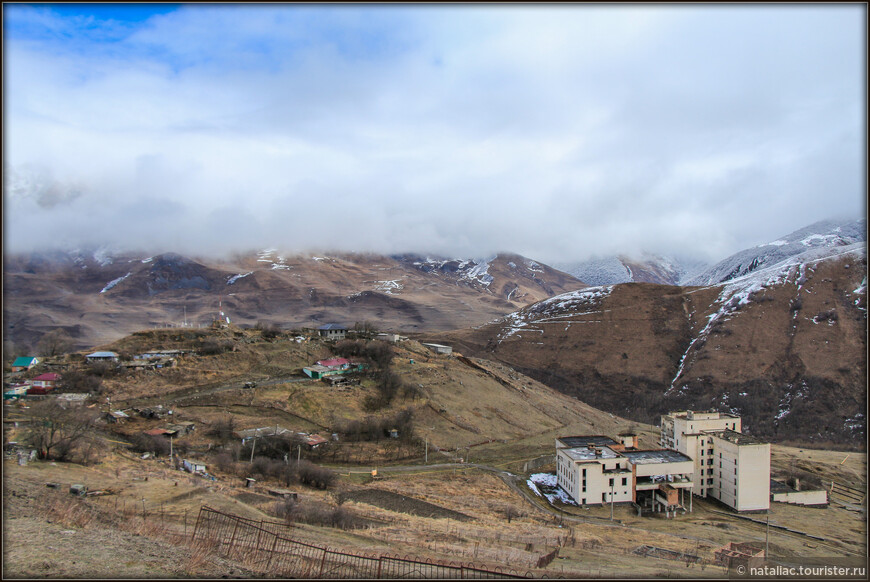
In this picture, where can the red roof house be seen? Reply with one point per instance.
(46, 380)
(334, 363)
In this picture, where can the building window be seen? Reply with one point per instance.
(624, 481)
(709, 451)
(611, 481)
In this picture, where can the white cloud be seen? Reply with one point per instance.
(557, 131)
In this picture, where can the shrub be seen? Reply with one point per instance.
(316, 476)
(213, 347)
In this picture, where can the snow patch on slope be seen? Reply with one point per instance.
(114, 282)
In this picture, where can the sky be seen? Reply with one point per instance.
(560, 132)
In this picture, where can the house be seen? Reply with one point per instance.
(729, 466)
(332, 366)
(387, 337)
(47, 380)
(596, 470)
(23, 363)
(15, 391)
(102, 357)
(439, 349)
(332, 331)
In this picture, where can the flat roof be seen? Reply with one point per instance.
(655, 456)
(738, 438)
(581, 441)
(584, 454)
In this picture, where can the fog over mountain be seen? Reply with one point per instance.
(560, 133)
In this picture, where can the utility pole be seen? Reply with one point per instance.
(767, 537)
(427, 451)
(298, 455)
(253, 446)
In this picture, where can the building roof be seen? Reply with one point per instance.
(337, 326)
(157, 431)
(102, 355)
(313, 439)
(738, 438)
(585, 454)
(48, 377)
(334, 362)
(582, 441)
(23, 361)
(261, 432)
(655, 456)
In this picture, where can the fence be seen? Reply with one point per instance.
(850, 494)
(267, 547)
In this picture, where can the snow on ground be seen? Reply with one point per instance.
(388, 286)
(478, 273)
(235, 278)
(556, 309)
(546, 485)
(114, 282)
(739, 291)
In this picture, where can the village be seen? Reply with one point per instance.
(276, 438)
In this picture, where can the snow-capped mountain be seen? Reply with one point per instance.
(647, 268)
(823, 234)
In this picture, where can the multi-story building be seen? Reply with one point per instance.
(728, 465)
(596, 470)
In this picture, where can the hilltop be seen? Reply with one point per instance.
(100, 296)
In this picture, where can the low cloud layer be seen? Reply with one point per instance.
(558, 132)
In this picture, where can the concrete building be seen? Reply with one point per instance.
(439, 349)
(596, 470)
(727, 465)
(332, 331)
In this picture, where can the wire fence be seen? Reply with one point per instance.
(268, 547)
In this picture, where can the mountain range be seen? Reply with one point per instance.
(776, 333)
(780, 340)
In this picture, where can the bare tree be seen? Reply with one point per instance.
(56, 432)
(54, 343)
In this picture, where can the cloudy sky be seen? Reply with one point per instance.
(558, 132)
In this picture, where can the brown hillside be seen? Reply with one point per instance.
(791, 359)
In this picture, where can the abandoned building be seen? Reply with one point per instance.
(728, 465)
(596, 470)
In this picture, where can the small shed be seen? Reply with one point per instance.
(193, 466)
(387, 337)
(115, 416)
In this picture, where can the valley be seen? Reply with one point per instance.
(459, 462)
